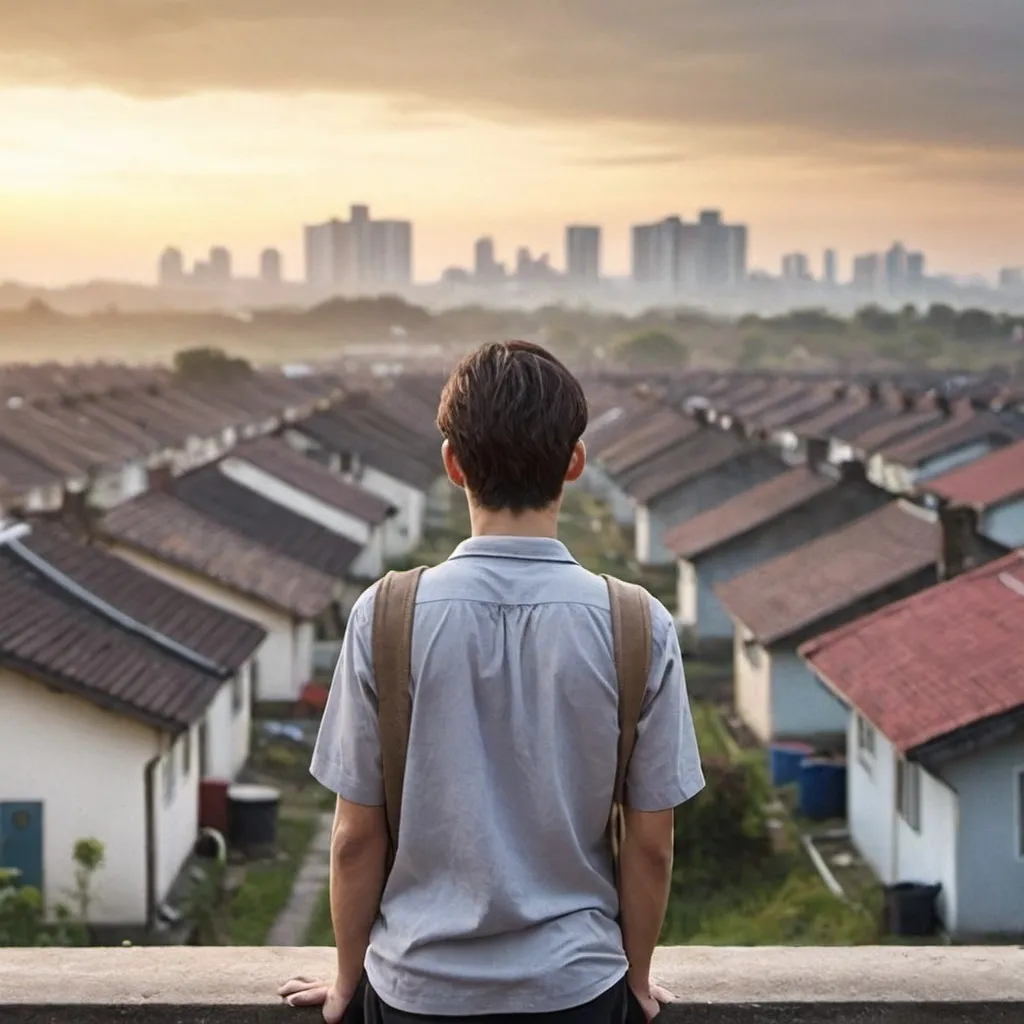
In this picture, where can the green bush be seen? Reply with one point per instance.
(727, 823)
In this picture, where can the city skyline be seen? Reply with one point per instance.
(130, 124)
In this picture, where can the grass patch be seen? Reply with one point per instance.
(712, 736)
(321, 931)
(264, 891)
(780, 903)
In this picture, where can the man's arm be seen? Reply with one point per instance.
(645, 875)
(359, 845)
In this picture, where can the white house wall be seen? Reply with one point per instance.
(176, 820)
(650, 548)
(369, 563)
(686, 593)
(117, 486)
(280, 677)
(871, 802)
(338, 521)
(752, 681)
(87, 767)
(410, 504)
(227, 728)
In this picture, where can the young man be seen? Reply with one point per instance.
(501, 899)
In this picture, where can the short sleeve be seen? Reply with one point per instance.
(665, 769)
(347, 758)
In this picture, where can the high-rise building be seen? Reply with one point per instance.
(220, 265)
(674, 255)
(915, 269)
(796, 268)
(830, 267)
(867, 272)
(270, 266)
(359, 254)
(896, 267)
(171, 268)
(485, 266)
(583, 254)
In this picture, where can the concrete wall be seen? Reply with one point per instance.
(990, 869)
(279, 675)
(177, 809)
(87, 767)
(1005, 524)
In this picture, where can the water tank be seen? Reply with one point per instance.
(252, 819)
(822, 788)
(784, 760)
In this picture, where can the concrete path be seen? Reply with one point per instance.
(293, 922)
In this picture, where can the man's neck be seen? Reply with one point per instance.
(532, 523)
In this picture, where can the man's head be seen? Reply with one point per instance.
(512, 416)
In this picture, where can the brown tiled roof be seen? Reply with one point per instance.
(782, 394)
(604, 433)
(900, 428)
(809, 405)
(277, 458)
(831, 418)
(705, 450)
(213, 495)
(220, 636)
(870, 416)
(171, 531)
(20, 474)
(985, 482)
(947, 658)
(661, 431)
(788, 594)
(746, 512)
(951, 433)
(48, 635)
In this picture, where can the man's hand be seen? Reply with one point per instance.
(651, 997)
(309, 992)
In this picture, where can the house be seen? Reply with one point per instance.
(705, 469)
(755, 526)
(890, 553)
(119, 694)
(656, 433)
(26, 485)
(963, 436)
(361, 440)
(935, 744)
(226, 567)
(994, 487)
(273, 469)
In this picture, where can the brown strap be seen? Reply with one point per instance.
(631, 639)
(394, 607)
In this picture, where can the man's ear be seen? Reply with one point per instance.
(577, 463)
(452, 467)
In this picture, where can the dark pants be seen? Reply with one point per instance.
(616, 1006)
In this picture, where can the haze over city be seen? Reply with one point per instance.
(126, 127)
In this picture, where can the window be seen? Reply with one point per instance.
(186, 752)
(1019, 794)
(238, 691)
(865, 743)
(170, 775)
(908, 793)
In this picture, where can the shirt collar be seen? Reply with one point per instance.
(527, 549)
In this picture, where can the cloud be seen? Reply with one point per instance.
(923, 72)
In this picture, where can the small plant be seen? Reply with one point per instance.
(88, 855)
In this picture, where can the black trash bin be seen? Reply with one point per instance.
(910, 908)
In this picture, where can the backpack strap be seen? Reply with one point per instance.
(394, 608)
(631, 640)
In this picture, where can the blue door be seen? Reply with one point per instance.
(21, 841)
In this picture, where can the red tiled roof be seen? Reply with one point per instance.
(963, 429)
(662, 430)
(788, 594)
(746, 511)
(987, 481)
(944, 659)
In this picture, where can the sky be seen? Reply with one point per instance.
(126, 125)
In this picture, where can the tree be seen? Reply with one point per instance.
(202, 365)
(941, 317)
(975, 325)
(654, 348)
(753, 350)
(878, 320)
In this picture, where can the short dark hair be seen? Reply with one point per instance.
(512, 414)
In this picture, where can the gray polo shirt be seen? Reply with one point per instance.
(501, 899)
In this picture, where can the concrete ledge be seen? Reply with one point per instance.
(805, 985)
